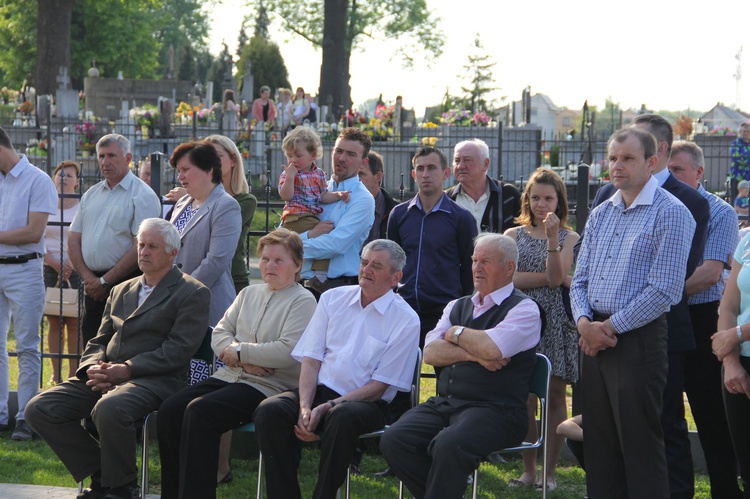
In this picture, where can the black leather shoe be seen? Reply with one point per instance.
(130, 491)
(95, 493)
(227, 478)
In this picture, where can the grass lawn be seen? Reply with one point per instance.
(34, 463)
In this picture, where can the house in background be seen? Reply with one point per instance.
(543, 115)
(567, 120)
(721, 116)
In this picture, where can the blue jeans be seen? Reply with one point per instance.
(22, 299)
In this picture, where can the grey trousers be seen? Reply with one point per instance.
(56, 416)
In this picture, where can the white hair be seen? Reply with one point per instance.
(484, 149)
(504, 244)
(165, 228)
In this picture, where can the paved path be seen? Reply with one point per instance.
(14, 491)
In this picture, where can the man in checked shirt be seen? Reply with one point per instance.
(630, 271)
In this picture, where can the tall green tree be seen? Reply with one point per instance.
(184, 23)
(337, 26)
(18, 38)
(478, 75)
(608, 119)
(131, 36)
(266, 63)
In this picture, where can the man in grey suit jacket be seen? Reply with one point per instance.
(152, 326)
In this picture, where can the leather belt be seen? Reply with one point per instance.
(10, 260)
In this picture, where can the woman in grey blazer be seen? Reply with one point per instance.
(209, 222)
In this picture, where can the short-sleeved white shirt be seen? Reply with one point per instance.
(356, 345)
(108, 219)
(25, 189)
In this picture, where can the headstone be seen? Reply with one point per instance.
(209, 94)
(397, 122)
(42, 109)
(65, 97)
(125, 125)
(247, 85)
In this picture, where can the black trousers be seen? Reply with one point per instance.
(341, 427)
(674, 426)
(189, 427)
(436, 445)
(623, 390)
(703, 383)
(737, 407)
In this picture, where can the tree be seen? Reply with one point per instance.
(18, 38)
(183, 23)
(53, 49)
(608, 120)
(219, 68)
(266, 64)
(478, 73)
(130, 36)
(338, 25)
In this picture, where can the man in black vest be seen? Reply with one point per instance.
(481, 401)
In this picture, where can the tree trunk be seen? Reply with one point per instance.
(334, 70)
(53, 43)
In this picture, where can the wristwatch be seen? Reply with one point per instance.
(555, 250)
(458, 334)
(239, 347)
(104, 283)
(740, 338)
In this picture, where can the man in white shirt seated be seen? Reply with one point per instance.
(359, 349)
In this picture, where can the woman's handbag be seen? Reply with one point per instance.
(69, 301)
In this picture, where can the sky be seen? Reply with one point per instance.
(665, 54)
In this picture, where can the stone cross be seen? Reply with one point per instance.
(63, 80)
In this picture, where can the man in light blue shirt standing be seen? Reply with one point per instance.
(630, 271)
(344, 226)
(704, 288)
(27, 199)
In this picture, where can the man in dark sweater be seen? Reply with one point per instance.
(481, 401)
(494, 204)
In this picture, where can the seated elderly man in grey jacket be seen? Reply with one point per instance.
(152, 326)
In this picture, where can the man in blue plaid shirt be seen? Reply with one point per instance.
(703, 380)
(630, 271)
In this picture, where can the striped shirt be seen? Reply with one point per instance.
(632, 261)
(308, 187)
(721, 242)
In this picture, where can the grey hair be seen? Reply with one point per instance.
(165, 228)
(504, 244)
(396, 255)
(484, 149)
(692, 149)
(121, 141)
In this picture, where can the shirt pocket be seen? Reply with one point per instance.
(368, 354)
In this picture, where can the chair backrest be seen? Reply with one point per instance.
(414, 398)
(539, 383)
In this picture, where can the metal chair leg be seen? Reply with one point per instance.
(259, 493)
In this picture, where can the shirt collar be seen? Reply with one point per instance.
(494, 298)
(645, 197)
(381, 304)
(125, 183)
(662, 176)
(19, 167)
(701, 189)
(438, 207)
(345, 185)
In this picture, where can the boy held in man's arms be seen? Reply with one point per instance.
(303, 186)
